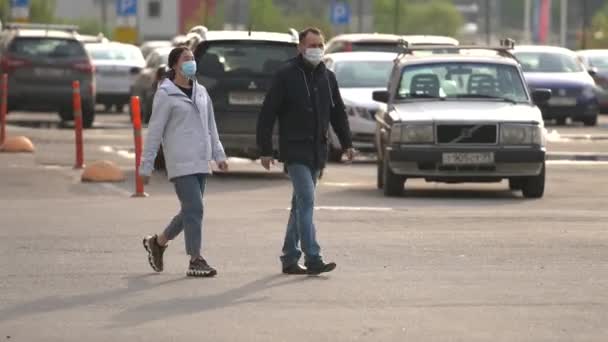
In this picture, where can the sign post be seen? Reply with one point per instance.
(20, 10)
(126, 21)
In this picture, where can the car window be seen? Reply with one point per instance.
(155, 60)
(599, 62)
(375, 47)
(363, 74)
(47, 48)
(458, 80)
(239, 58)
(548, 62)
(114, 53)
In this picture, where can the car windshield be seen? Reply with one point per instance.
(375, 47)
(548, 62)
(113, 53)
(599, 62)
(52, 48)
(459, 80)
(239, 58)
(363, 74)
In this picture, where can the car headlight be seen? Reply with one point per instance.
(412, 134)
(358, 112)
(520, 134)
(589, 92)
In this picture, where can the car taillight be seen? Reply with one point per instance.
(84, 66)
(10, 63)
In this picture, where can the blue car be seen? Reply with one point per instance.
(574, 93)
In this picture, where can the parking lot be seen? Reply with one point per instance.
(443, 262)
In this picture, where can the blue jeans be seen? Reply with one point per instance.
(300, 228)
(189, 190)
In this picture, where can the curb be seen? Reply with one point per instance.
(577, 156)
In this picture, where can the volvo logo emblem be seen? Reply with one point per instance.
(252, 85)
(467, 133)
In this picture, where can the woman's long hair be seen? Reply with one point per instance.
(174, 56)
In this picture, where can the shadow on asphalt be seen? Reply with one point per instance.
(433, 194)
(170, 308)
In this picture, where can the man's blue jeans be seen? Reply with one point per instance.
(300, 228)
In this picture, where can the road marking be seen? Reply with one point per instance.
(116, 188)
(347, 184)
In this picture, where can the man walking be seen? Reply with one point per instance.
(304, 98)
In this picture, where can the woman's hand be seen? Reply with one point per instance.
(222, 165)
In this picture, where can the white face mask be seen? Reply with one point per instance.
(314, 55)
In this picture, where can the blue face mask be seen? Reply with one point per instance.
(189, 68)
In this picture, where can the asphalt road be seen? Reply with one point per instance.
(442, 263)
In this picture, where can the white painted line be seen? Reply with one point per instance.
(107, 149)
(126, 154)
(116, 188)
(346, 184)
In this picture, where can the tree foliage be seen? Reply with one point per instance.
(439, 17)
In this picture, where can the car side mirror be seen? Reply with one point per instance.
(541, 96)
(380, 96)
(592, 72)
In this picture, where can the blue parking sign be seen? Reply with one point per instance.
(20, 3)
(340, 13)
(126, 8)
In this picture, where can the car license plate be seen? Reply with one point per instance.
(562, 101)
(468, 158)
(48, 72)
(246, 99)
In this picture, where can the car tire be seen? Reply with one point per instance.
(516, 184)
(561, 121)
(534, 187)
(88, 116)
(66, 115)
(335, 154)
(393, 183)
(380, 173)
(590, 121)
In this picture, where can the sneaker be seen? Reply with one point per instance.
(321, 267)
(155, 252)
(200, 268)
(294, 269)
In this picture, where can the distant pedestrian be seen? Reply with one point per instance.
(183, 119)
(304, 98)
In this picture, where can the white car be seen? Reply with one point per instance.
(380, 42)
(359, 74)
(116, 67)
(458, 118)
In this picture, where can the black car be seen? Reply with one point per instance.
(147, 80)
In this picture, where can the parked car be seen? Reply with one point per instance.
(148, 47)
(90, 39)
(359, 74)
(237, 68)
(559, 69)
(41, 62)
(375, 42)
(596, 61)
(460, 118)
(146, 81)
(116, 66)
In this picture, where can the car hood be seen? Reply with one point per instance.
(466, 111)
(548, 79)
(360, 97)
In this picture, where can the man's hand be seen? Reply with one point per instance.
(222, 165)
(145, 179)
(267, 162)
(350, 154)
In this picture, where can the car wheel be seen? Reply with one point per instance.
(380, 173)
(66, 115)
(534, 187)
(561, 121)
(393, 184)
(590, 121)
(120, 108)
(335, 154)
(88, 116)
(515, 184)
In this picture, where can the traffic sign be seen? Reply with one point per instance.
(126, 8)
(20, 3)
(340, 13)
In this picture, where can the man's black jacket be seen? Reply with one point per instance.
(304, 100)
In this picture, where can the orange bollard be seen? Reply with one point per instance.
(77, 108)
(3, 109)
(136, 112)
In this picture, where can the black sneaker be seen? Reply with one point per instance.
(321, 267)
(155, 252)
(200, 268)
(294, 269)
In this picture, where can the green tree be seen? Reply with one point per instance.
(264, 15)
(597, 35)
(438, 17)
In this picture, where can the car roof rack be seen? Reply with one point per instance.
(503, 50)
(46, 27)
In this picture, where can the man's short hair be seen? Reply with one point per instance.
(308, 30)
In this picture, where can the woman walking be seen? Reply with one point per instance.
(183, 120)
